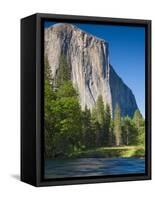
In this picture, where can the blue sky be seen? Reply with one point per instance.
(127, 54)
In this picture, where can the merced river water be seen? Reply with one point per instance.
(93, 167)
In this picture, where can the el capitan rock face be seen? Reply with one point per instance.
(91, 73)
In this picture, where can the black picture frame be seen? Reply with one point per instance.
(32, 97)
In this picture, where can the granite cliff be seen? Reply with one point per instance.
(91, 73)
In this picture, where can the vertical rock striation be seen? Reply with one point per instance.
(88, 59)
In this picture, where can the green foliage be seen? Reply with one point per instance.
(110, 152)
(117, 125)
(98, 120)
(48, 72)
(49, 120)
(111, 136)
(87, 129)
(62, 115)
(138, 119)
(107, 140)
(133, 130)
(139, 123)
(63, 73)
(68, 113)
(67, 90)
(129, 132)
(69, 130)
(101, 118)
(100, 110)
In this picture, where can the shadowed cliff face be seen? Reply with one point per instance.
(88, 59)
(121, 94)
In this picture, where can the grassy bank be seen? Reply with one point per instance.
(108, 152)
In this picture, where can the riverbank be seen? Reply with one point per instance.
(110, 152)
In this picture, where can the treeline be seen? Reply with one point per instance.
(69, 129)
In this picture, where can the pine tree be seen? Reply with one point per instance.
(68, 115)
(88, 134)
(100, 110)
(138, 119)
(126, 130)
(139, 123)
(48, 71)
(112, 137)
(117, 125)
(96, 127)
(107, 126)
(62, 116)
(49, 121)
(98, 115)
(63, 72)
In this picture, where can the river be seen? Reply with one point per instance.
(93, 167)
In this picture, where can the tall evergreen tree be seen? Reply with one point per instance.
(47, 71)
(139, 123)
(68, 114)
(98, 114)
(49, 120)
(138, 119)
(88, 134)
(100, 110)
(126, 131)
(117, 125)
(107, 126)
(62, 118)
(63, 72)
(95, 126)
(112, 137)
